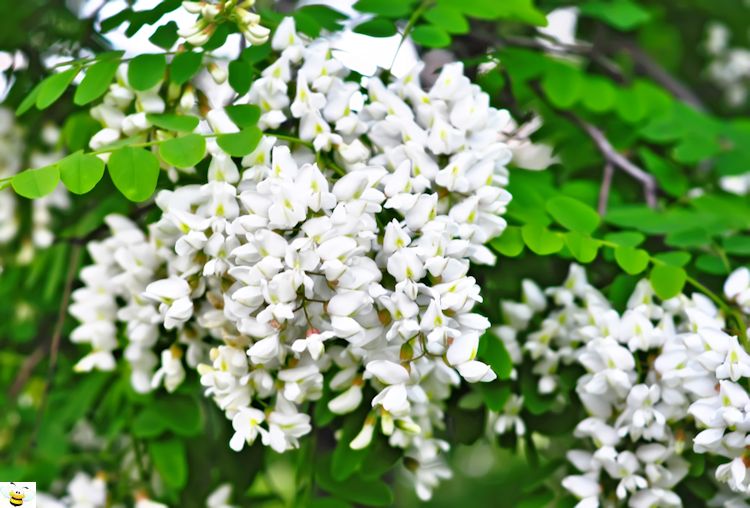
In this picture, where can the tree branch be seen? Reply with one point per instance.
(75, 257)
(615, 158)
(609, 171)
(609, 152)
(651, 68)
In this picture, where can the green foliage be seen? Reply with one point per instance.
(620, 14)
(184, 66)
(240, 143)
(184, 151)
(430, 36)
(81, 172)
(174, 122)
(240, 76)
(54, 86)
(134, 171)
(96, 81)
(145, 71)
(679, 239)
(36, 183)
(170, 460)
(667, 280)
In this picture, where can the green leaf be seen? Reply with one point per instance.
(81, 172)
(78, 130)
(183, 152)
(711, 264)
(667, 280)
(625, 238)
(388, 8)
(693, 237)
(36, 183)
(534, 401)
(243, 115)
(170, 460)
(631, 260)
(376, 27)
(355, 488)
(53, 87)
(599, 95)
(430, 36)
(573, 214)
(739, 245)
(181, 415)
(563, 85)
(674, 258)
(145, 71)
(240, 76)
(178, 414)
(240, 143)
(254, 54)
(495, 394)
(493, 352)
(670, 177)
(184, 66)
(149, 423)
(345, 461)
(694, 148)
(96, 81)
(583, 247)
(448, 18)
(134, 171)
(165, 36)
(541, 240)
(29, 100)
(623, 15)
(509, 243)
(174, 122)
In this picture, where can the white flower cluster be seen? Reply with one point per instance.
(658, 378)
(350, 258)
(729, 68)
(210, 13)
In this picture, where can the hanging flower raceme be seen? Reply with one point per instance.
(211, 14)
(659, 379)
(340, 246)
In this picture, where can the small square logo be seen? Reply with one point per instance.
(17, 494)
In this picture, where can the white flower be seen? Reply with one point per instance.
(247, 425)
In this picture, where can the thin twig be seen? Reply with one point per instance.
(75, 256)
(609, 152)
(647, 66)
(612, 156)
(609, 171)
(24, 373)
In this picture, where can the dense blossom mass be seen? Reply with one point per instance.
(341, 245)
(658, 379)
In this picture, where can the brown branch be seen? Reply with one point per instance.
(609, 171)
(609, 152)
(24, 373)
(54, 349)
(647, 66)
(615, 158)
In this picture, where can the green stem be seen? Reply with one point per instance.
(291, 139)
(409, 26)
